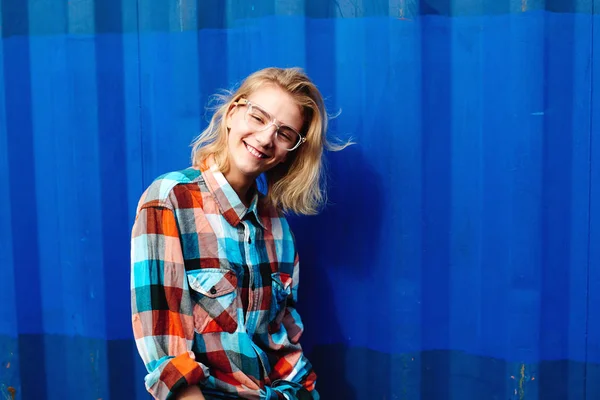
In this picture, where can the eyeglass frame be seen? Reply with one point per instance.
(273, 121)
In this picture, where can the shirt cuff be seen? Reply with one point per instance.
(177, 373)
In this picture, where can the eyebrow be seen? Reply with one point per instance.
(271, 115)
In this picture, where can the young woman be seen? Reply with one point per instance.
(214, 278)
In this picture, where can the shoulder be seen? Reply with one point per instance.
(162, 192)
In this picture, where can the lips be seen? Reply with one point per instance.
(255, 152)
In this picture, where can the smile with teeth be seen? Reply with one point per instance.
(255, 152)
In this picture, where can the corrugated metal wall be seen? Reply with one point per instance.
(460, 256)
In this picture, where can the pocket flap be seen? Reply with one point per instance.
(282, 279)
(212, 282)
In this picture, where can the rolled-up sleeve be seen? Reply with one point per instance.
(162, 317)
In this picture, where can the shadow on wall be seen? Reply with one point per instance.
(339, 241)
(346, 233)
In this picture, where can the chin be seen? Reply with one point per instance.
(247, 169)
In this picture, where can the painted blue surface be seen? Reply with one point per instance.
(458, 257)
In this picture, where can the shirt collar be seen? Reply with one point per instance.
(229, 203)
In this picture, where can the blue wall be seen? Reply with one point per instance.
(459, 258)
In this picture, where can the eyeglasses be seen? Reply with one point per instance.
(259, 120)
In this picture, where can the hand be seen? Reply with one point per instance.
(190, 393)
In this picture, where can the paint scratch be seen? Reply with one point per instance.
(523, 5)
(521, 381)
(402, 11)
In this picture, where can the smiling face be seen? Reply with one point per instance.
(250, 152)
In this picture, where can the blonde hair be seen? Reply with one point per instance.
(298, 185)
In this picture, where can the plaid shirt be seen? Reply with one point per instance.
(213, 292)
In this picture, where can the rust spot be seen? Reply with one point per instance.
(12, 392)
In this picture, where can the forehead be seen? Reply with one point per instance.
(280, 104)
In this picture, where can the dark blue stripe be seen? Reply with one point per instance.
(15, 18)
(556, 207)
(435, 269)
(110, 70)
(211, 14)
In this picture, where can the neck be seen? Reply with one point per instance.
(241, 185)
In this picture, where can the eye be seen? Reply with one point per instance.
(257, 117)
(288, 135)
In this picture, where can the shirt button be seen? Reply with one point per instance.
(213, 290)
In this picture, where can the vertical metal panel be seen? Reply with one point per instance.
(565, 204)
(9, 348)
(457, 258)
(468, 41)
(169, 86)
(593, 328)
(119, 181)
(67, 164)
(23, 232)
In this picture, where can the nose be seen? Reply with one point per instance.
(266, 136)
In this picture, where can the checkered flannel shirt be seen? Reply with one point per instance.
(213, 291)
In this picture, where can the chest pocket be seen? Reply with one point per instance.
(281, 289)
(215, 301)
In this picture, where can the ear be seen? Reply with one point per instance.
(229, 115)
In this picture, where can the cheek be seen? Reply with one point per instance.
(237, 131)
